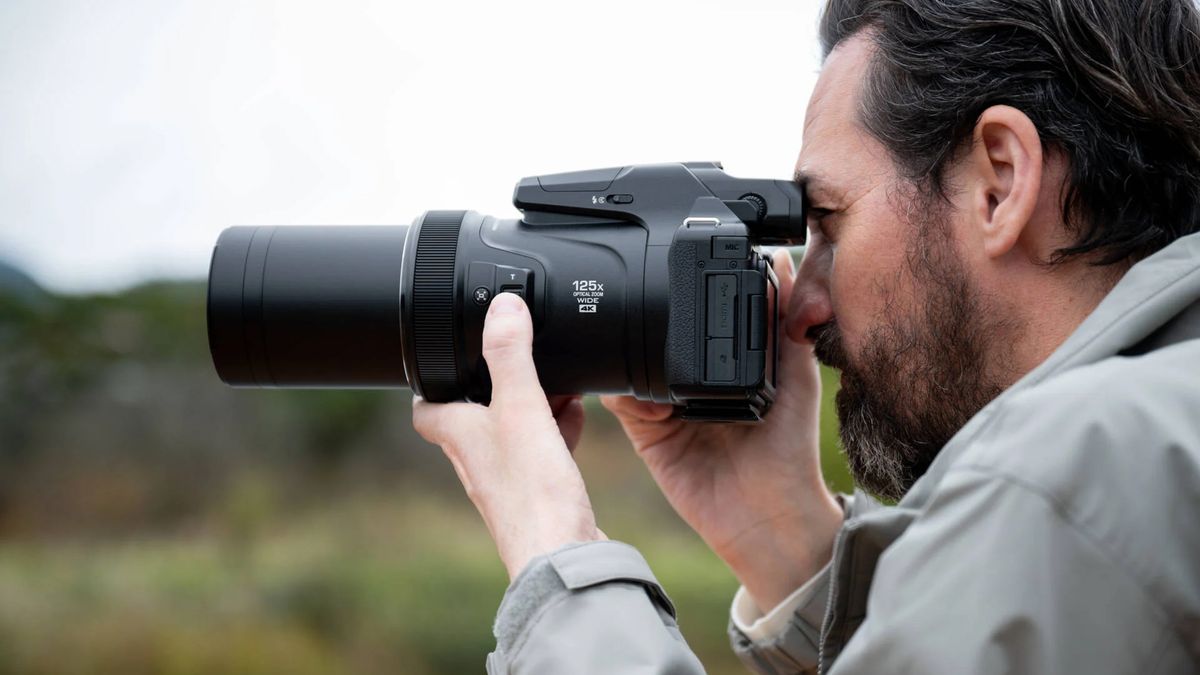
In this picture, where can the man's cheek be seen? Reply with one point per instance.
(853, 295)
(868, 286)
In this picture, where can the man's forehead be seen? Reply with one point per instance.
(831, 118)
(813, 179)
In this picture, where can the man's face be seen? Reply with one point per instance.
(885, 295)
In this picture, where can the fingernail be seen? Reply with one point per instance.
(507, 303)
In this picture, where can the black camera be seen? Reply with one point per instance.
(641, 280)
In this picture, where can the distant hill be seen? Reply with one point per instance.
(16, 282)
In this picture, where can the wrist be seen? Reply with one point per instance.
(785, 551)
(519, 559)
(524, 543)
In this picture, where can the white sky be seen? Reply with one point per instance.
(133, 131)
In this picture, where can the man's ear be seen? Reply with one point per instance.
(1006, 157)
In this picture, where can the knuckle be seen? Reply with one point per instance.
(618, 405)
(503, 340)
(517, 411)
(441, 423)
(420, 418)
(427, 430)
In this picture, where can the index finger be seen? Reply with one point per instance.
(439, 423)
(643, 411)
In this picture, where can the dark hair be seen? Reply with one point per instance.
(1114, 84)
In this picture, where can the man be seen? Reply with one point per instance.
(1004, 263)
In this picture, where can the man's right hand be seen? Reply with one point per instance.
(754, 493)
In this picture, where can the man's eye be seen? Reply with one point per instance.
(816, 215)
(819, 221)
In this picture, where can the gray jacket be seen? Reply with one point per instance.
(1058, 532)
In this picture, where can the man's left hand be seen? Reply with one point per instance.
(514, 455)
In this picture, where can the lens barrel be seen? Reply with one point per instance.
(315, 306)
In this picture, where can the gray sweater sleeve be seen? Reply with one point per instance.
(797, 650)
(585, 608)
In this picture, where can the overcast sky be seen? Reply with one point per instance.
(132, 132)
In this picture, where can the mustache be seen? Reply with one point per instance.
(828, 345)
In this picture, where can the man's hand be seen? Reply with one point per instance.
(754, 493)
(514, 456)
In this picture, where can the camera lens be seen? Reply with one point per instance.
(315, 306)
(404, 306)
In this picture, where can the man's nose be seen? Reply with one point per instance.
(810, 304)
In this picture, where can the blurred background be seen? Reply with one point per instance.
(153, 520)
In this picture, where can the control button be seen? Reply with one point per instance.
(621, 199)
(721, 306)
(514, 280)
(719, 364)
(730, 247)
(482, 295)
(482, 275)
(758, 323)
(511, 276)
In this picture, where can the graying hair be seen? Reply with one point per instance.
(1114, 84)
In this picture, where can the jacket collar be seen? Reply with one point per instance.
(1147, 298)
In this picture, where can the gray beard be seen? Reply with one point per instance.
(918, 379)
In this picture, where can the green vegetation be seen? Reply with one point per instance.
(153, 520)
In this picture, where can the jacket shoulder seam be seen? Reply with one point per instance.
(1063, 512)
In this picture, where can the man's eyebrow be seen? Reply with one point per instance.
(809, 182)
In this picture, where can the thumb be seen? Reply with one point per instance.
(799, 382)
(508, 350)
(785, 268)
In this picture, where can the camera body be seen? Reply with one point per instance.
(641, 280)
